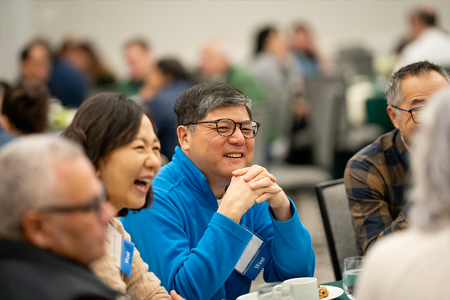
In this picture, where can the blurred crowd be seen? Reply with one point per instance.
(275, 78)
(76, 70)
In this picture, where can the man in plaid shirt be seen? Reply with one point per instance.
(377, 176)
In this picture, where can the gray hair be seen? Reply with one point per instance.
(195, 103)
(28, 178)
(431, 164)
(394, 94)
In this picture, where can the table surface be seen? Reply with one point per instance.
(339, 285)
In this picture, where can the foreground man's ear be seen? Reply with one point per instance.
(183, 134)
(35, 229)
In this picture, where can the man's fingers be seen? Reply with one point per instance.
(263, 197)
(272, 189)
(261, 183)
(253, 171)
(240, 172)
(258, 172)
(175, 296)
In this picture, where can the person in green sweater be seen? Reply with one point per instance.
(215, 65)
(140, 60)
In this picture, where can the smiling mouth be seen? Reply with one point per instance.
(234, 155)
(142, 183)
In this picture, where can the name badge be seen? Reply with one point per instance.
(254, 257)
(122, 250)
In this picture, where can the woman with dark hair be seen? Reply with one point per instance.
(261, 39)
(84, 57)
(274, 65)
(118, 135)
(165, 82)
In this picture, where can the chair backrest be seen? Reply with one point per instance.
(337, 222)
(326, 96)
(355, 61)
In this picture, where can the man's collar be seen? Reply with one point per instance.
(190, 170)
(399, 144)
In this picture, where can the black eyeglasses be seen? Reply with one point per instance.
(226, 127)
(415, 112)
(92, 206)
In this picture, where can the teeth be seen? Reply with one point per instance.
(146, 180)
(234, 155)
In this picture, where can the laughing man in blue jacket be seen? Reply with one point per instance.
(209, 205)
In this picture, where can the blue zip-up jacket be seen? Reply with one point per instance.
(193, 249)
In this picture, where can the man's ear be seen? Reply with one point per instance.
(35, 229)
(393, 115)
(183, 134)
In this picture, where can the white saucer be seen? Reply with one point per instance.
(333, 292)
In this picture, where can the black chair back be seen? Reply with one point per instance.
(337, 222)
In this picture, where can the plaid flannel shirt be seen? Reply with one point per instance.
(375, 180)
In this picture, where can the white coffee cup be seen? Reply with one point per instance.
(304, 288)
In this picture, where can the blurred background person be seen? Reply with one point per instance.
(67, 84)
(216, 65)
(118, 136)
(54, 220)
(307, 53)
(25, 109)
(427, 40)
(273, 64)
(139, 58)
(165, 82)
(37, 64)
(415, 264)
(85, 58)
(5, 137)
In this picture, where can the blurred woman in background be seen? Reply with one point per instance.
(83, 56)
(274, 65)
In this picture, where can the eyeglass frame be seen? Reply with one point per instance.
(410, 111)
(234, 129)
(94, 205)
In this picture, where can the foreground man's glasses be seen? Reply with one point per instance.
(226, 127)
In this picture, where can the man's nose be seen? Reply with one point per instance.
(237, 138)
(153, 161)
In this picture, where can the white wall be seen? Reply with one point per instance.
(177, 27)
(15, 30)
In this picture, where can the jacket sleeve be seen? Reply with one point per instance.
(289, 243)
(367, 201)
(194, 271)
